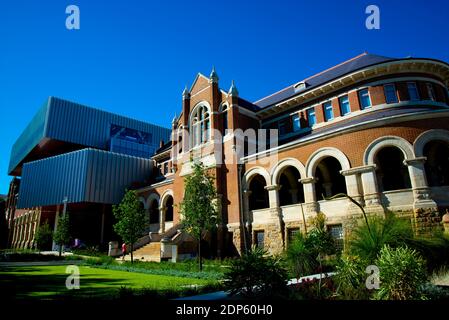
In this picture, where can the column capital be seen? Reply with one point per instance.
(361, 169)
(272, 187)
(410, 162)
(307, 180)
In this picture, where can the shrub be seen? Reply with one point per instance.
(43, 237)
(350, 278)
(307, 290)
(402, 274)
(367, 241)
(257, 275)
(300, 258)
(434, 249)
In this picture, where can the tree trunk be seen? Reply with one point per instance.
(132, 249)
(60, 250)
(199, 255)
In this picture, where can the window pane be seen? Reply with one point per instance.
(260, 239)
(430, 91)
(328, 112)
(311, 116)
(336, 231)
(292, 233)
(390, 93)
(344, 105)
(296, 123)
(365, 101)
(225, 121)
(412, 91)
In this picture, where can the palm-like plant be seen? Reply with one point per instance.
(366, 242)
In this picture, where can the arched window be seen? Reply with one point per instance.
(154, 212)
(291, 190)
(169, 207)
(329, 181)
(224, 113)
(437, 163)
(200, 125)
(258, 198)
(392, 173)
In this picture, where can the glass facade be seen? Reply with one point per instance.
(131, 142)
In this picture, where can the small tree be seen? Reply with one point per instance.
(43, 236)
(198, 207)
(62, 234)
(131, 219)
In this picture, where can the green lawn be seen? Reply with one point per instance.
(48, 282)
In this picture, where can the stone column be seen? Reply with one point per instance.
(162, 211)
(369, 195)
(273, 195)
(246, 212)
(421, 191)
(310, 202)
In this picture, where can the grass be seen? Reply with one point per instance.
(48, 282)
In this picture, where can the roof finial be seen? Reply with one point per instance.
(186, 93)
(213, 77)
(233, 90)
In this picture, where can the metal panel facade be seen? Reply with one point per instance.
(74, 123)
(30, 137)
(87, 175)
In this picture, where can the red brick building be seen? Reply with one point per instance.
(372, 127)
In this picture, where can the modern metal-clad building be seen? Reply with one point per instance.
(61, 126)
(87, 175)
(82, 157)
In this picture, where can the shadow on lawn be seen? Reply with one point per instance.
(16, 283)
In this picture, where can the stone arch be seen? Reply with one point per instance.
(142, 199)
(251, 173)
(153, 204)
(285, 163)
(254, 183)
(387, 141)
(167, 202)
(425, 137)
(152, 197)
(165, 196)
(322, 153)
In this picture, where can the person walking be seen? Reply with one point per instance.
(123, 250)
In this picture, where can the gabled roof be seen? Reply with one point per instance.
(351, 65)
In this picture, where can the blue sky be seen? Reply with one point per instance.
(135, 57)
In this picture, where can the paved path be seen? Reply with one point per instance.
(219, 295)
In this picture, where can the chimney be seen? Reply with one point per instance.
(161, 143)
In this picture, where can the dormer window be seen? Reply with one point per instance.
(200, 125)
(300, 86)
